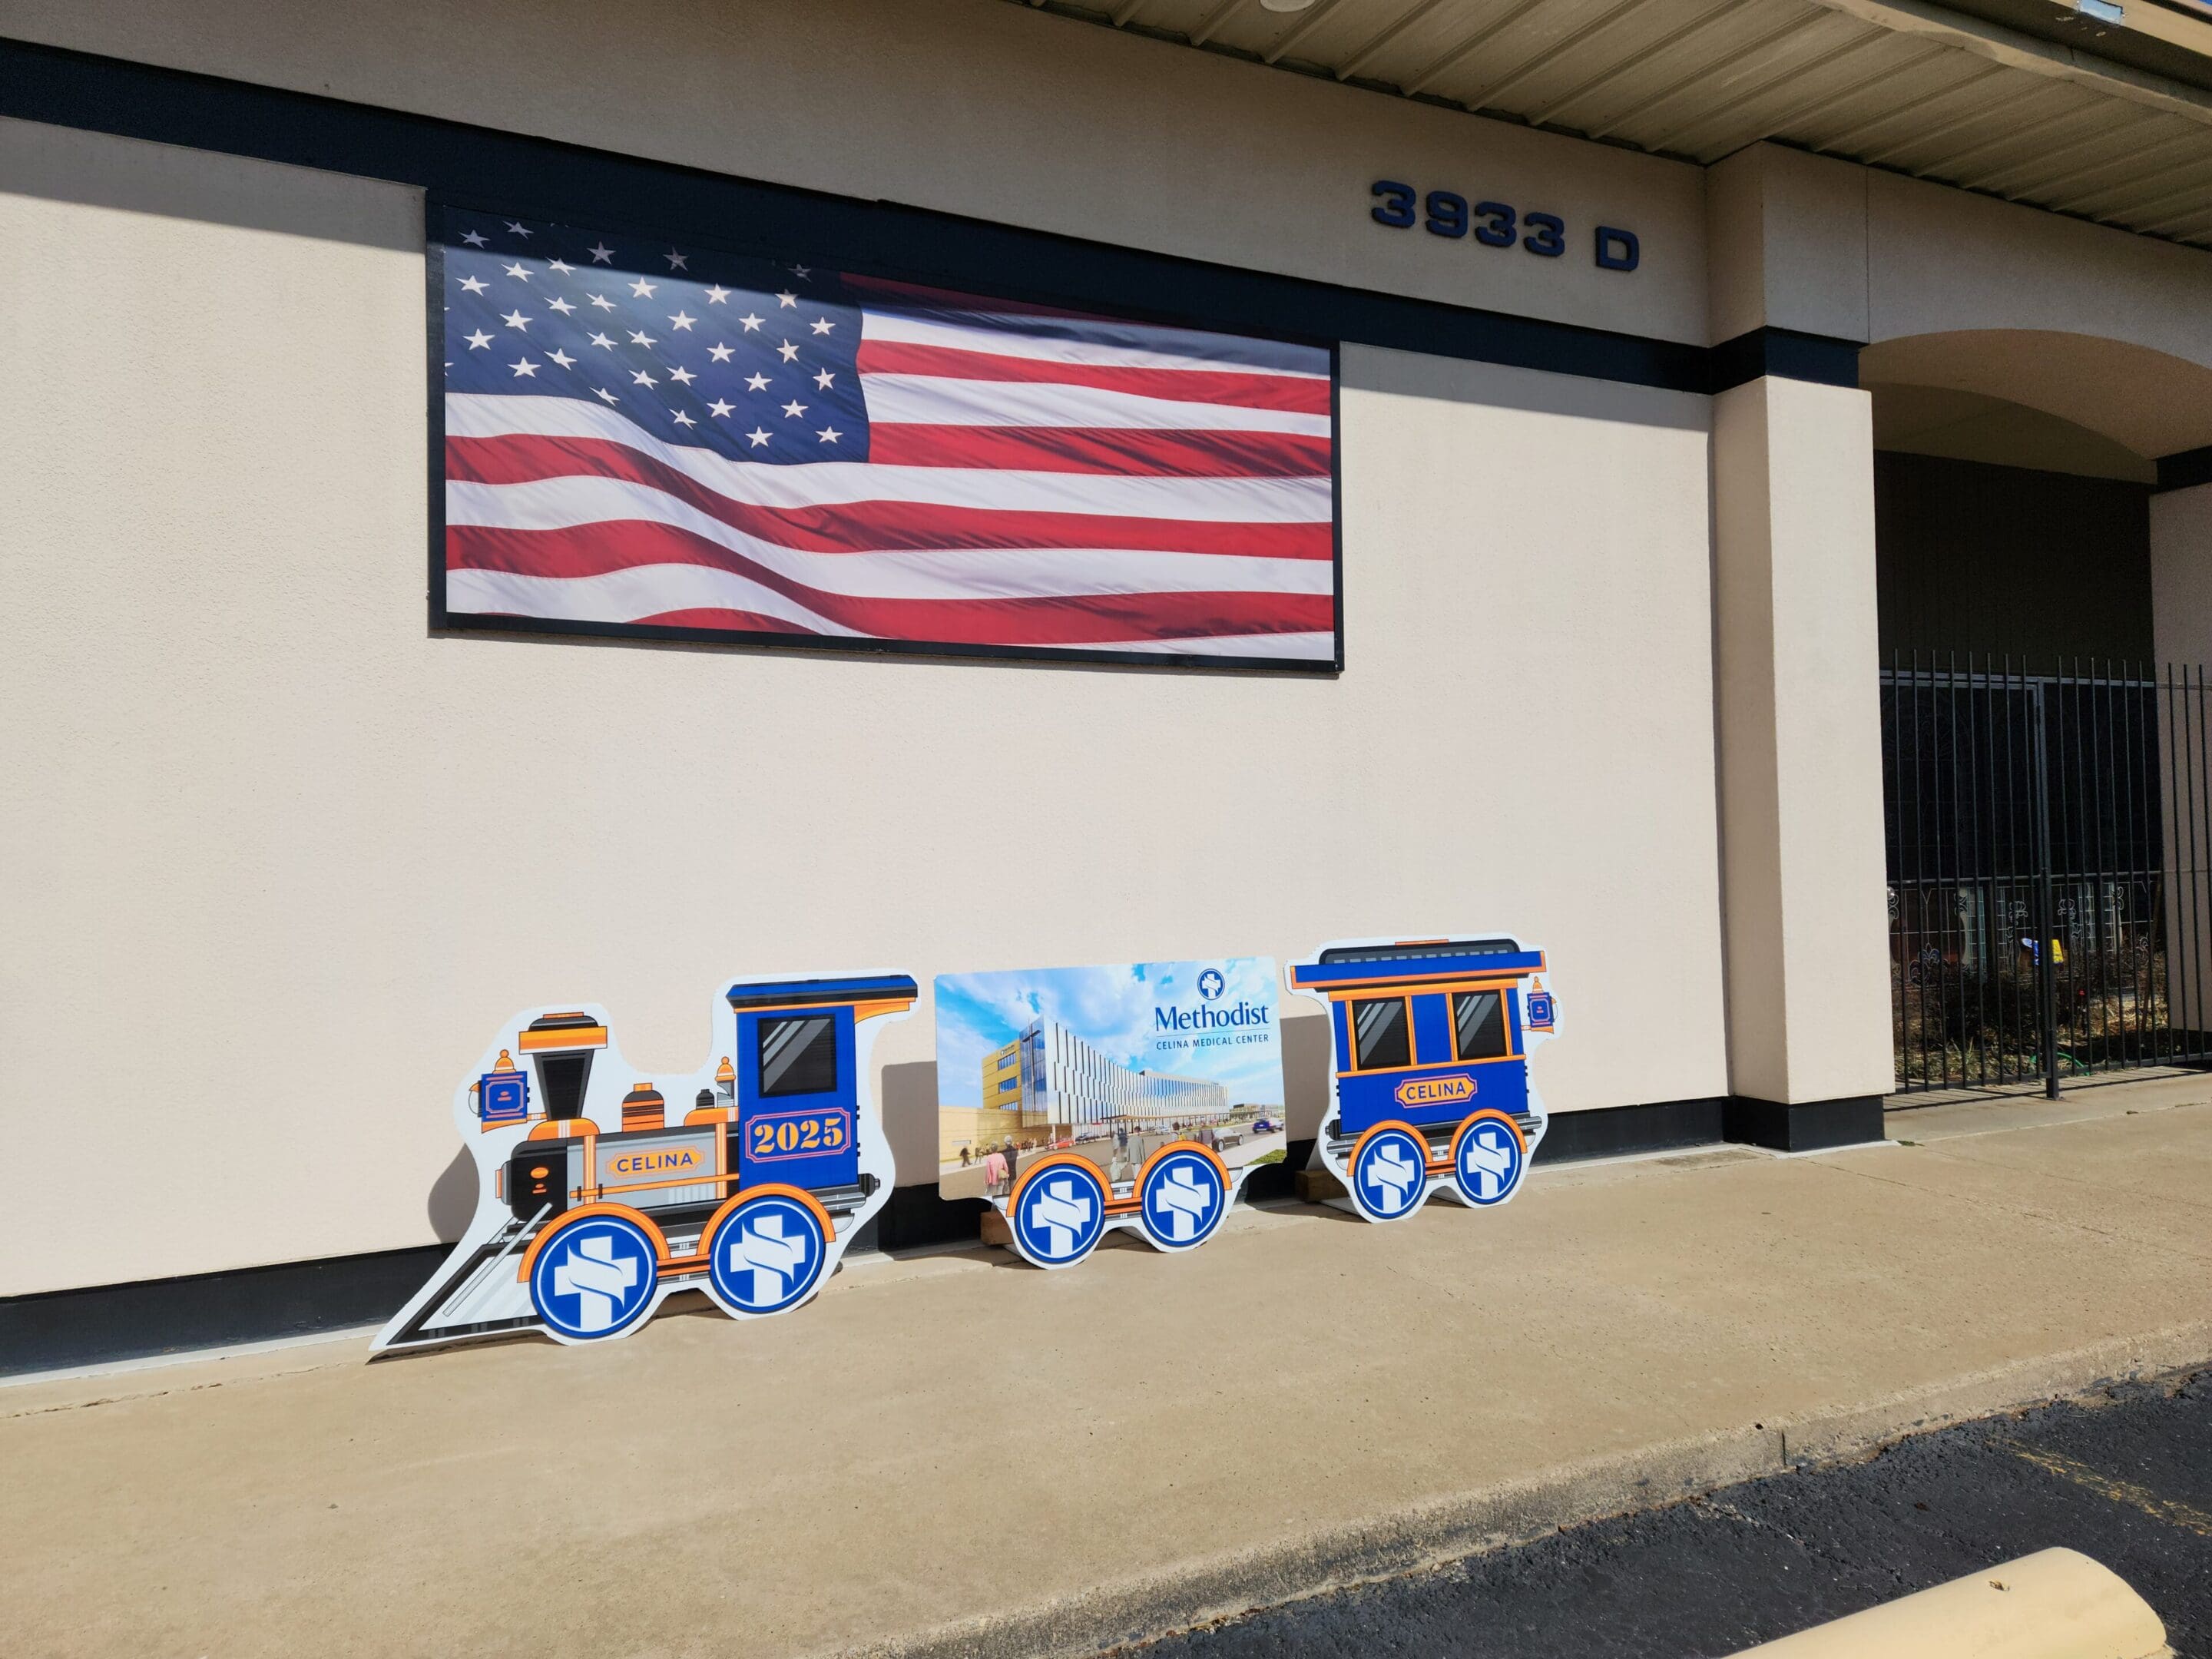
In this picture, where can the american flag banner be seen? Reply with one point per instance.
(648, 437)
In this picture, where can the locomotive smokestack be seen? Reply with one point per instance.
(562, 1046)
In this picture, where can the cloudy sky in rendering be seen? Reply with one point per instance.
(1112, 1009)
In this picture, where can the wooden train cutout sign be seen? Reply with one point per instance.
(1429, 1040)
(600, 1195)
(1135, 1099)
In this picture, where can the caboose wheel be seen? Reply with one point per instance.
(1182, 1194)
(593, 1275)
(766, 1249)
(1057, 1214)
(1389, 1171)
(1488, 1157)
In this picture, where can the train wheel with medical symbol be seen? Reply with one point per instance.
(1183, 1193)
(766, 1248)
(1058, 1212)
(592, 1274)
(1488, 1157)
(1389, 1171)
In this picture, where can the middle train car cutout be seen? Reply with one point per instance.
(1430, 1039)
(597, 1196)
(1078, 1101)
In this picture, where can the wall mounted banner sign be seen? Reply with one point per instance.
(1431, 1040)
(598, 1193)
(1078, 1100)
(667, 439)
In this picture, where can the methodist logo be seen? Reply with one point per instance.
(1434, 1091)
(1211, 985)
(1059, 1214)
(1183, 1200)
(594, 1278)
(1488, 1161)
(1390, 1174)
(1212, 1016)
(767, 1255)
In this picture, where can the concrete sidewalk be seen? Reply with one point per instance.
(956, 1454)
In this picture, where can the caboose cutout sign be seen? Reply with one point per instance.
(598, 1195)
(1430, 1039)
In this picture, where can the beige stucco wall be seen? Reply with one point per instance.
(2108, 330)
(976, 107)
(2181, 633)
(283, 859)
(1787, 244)
(2181, 575)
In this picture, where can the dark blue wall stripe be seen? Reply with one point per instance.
(2187, 469)
(1786, 353)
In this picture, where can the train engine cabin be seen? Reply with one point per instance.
(1430, 1042)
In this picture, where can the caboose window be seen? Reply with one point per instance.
(798, 1055)
(1479, 1025)
(1381, 1036)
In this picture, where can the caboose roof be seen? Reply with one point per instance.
(1400, 964)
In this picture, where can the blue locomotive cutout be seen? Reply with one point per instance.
(1431, 1040)
(597, 1196)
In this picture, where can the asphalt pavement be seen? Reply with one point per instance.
(2126, 1479)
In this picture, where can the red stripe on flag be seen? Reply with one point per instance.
(1299, 394)
(1128, 451)
(747, 622)
(875, 527)
(1071, 619)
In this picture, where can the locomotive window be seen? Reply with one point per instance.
(799, 1056)
(1381, 1036)
(1479, 1025)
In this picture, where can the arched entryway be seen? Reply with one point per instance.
(2045, 615)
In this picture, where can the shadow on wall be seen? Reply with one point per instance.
(1305, 1074)
(61, 164)
(1533, 392)
(453, 1197)
(909, 1106)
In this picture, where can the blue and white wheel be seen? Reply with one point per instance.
(1488, 1158)
(766, 1254)
(1059, 1214)
(594, 1278)
(1182, 1198)
(1389, 1172)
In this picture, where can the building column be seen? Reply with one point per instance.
(1803, 881)
(2181, 638)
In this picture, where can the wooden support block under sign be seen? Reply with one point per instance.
(995, 1231)
(1318, 1186)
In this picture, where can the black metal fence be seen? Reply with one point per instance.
(2050, 841)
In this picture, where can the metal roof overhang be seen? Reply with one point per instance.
(2026, 100)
